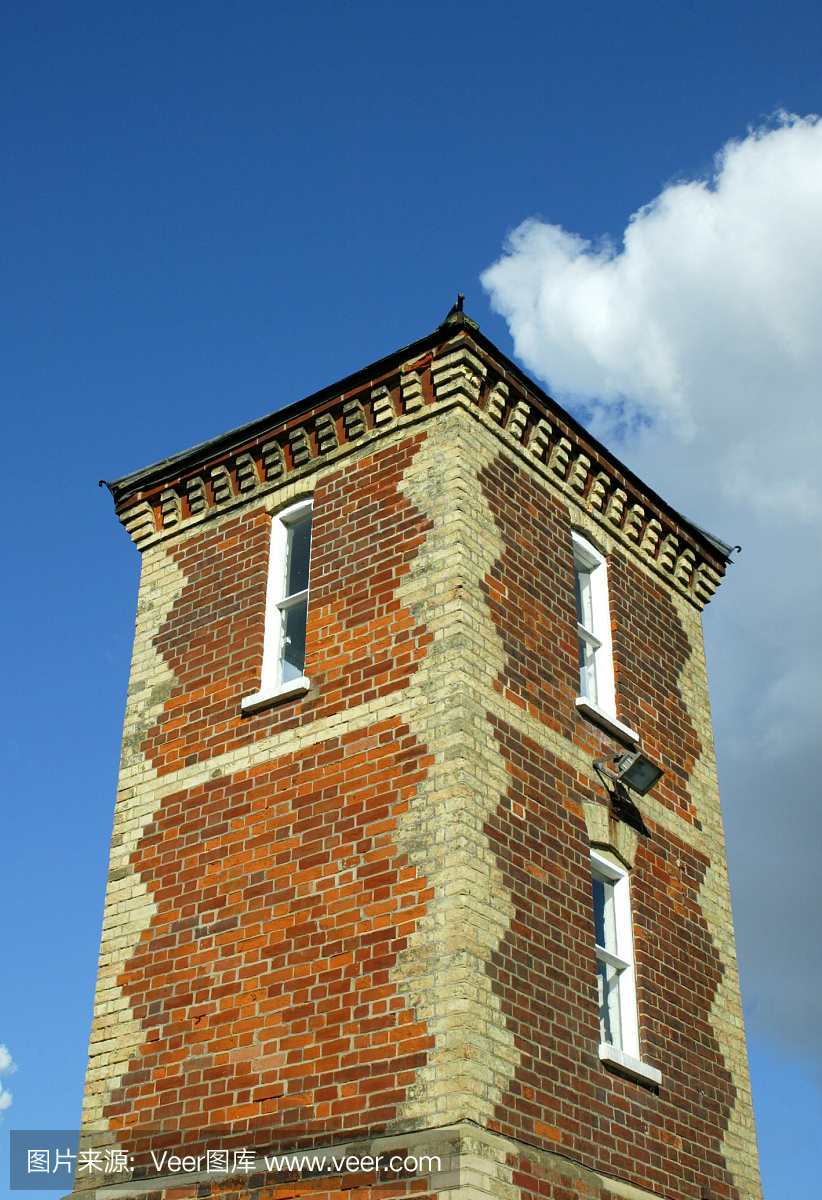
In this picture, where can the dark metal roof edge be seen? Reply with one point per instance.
(170, 468)
(723, 547)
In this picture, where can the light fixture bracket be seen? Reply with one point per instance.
(633, 769)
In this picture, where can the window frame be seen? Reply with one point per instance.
(602, 710)
(589, 561)
(272, 685)
(624, 1059)
(622, 957)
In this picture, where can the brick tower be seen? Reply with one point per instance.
(369, 893)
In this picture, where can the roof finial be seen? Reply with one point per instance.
(457, 317)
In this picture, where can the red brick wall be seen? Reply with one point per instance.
(562, 1098)
(532, 596)
(262, 986)
(650, 650)
(361, 642)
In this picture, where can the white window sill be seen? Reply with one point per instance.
(606, 721)
(283, 691)
(628, 1065)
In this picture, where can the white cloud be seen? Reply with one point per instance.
(695, 350)
(703, 321)
(7, 1067)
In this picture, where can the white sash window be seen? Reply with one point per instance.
(286, 609)
(616, 979)
(615, 956)
(596, 664)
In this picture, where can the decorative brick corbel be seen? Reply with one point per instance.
(382, 406)
(326, 429)
(518, 419)
(458, 373)
(706, 581)
(273, 461)
(197, 497)
(496, 401)
(300, 446)
(633, 522)
(616, 507)
(247, 477)
(579, 473)
(598, 492)
(667, 553)
(354, 419)
(558, 462)
(412, 397)
(650, 539)
(221, 482)
(171, 508)
(540, 439)
(139, 521)
(684, 568)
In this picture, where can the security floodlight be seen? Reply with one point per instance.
(638, 772)
(634, 769)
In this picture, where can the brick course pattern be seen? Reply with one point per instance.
(262, 986)
(365, 912)
(548, 954)
(361, 643)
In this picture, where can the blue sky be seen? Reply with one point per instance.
(208, 210)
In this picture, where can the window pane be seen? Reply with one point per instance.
(299, 553)
(610, 942)
(582, 590)
(294, 641)
(610, 1030)
(604, 914)
(585, 617)
(587, 672)
(599, 911)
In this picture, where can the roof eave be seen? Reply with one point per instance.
(225, 443)
(170, 469)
